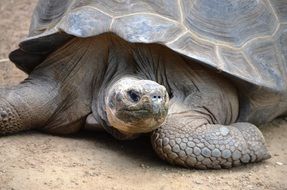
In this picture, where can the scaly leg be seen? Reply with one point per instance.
(190, 141)
(25, 106)
(57, 96)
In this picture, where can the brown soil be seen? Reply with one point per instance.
(96, 161)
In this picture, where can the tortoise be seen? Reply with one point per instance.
(195, 75)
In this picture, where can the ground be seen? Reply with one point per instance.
(33, 160)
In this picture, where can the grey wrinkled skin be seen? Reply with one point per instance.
(222, 66)
(76, 80)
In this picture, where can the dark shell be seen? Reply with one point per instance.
(244, 38)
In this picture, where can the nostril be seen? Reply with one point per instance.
(134, 95)
(156, 97)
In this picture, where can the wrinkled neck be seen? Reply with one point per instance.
(116, 64)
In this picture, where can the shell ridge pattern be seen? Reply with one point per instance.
(144, 13)
(93, 7)
(206, 30)
(210, 25)
(180, 11)
(220, 62)
(174, 40)
(273, 11)
(147, 28)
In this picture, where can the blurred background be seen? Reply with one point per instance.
(14, 25)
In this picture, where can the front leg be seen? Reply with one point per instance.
(188, 140)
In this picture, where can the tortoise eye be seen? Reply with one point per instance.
(134, 95)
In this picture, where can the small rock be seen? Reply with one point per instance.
(259, 183)
(279, 163)
(144, 166)
(197, 182)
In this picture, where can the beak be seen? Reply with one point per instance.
(154, 102)
(156, 105)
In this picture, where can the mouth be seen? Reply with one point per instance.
(141, 117)
(143, 112)
(131, 115)
(129, 110)
(133, 120)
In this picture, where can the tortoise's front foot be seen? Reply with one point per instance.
(21, 107)
(192, 142)
(10, 121)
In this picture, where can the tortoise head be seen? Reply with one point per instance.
(136, 106)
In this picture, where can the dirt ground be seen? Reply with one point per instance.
(33, 160)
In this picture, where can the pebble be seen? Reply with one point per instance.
(279, 163)
(144, 166)
(197, 182)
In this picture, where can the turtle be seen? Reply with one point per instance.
(197, 76)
